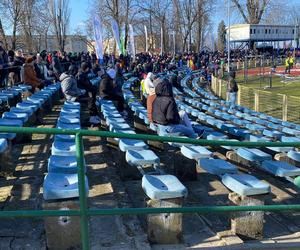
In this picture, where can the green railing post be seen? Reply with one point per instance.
(84, 227)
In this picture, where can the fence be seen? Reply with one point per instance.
(280, 106)
(84, 212)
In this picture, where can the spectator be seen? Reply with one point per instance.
(3, 65)
(109, 92)
(232, 89)
(18, 63)
(69, 86)
(165, 112)
(41, 70)
(84, 83)
(30, 76)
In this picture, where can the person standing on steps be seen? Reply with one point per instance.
(232, 89)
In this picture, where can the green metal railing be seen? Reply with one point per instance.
(84, 212)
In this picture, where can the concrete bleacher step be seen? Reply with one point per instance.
(160, 187)
(217, 166)
(61, 186)
(281, 169)
(245, 185)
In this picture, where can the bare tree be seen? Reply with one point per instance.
(12, 11)
(60, 16)
(252, 10)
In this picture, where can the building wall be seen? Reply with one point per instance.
(258, 32)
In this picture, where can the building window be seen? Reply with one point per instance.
(254, 31)
(276, 31)
(250, 31)
(266, 31)
(293, 31)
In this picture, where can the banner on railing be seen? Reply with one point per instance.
(115, 30)
(98, 37)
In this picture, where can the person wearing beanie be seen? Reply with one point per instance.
(108, 90)
(30, 76)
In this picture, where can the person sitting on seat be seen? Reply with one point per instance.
(69, 86)
(30, 76)
(165, 112)
(84, 83)
(108, 90)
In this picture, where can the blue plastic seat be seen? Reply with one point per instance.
(62, 164)
(10, 123)
(38, 102)
(19, 116)
(72, 104)
(291, 131)
(216, 136)
(19, 110)
(28, 105)
(280, 168)
(141, 157)
(294, 155)
(119, 126)
(130, 144)
(66, 138)
(257, 138)
(245, 185)
(68, 119)
(290, 139)
(195, 152)
(288, 124)
(253, 154)
(255, 127)
(160, 187)
(3, 145)
(112, 120)
(275, 134)
(75, 112)
(63, 148)
(61, 125)
(217, 166)
(61, 186)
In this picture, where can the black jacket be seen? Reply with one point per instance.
(106, 87)
(164, 109)
(83, 82)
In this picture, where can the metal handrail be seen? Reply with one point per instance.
(84, 212)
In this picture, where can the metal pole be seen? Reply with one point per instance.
(228, 38)
(82, 193)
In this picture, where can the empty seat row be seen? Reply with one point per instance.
(61, 181)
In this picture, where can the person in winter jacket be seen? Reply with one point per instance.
(3, 64)
(232, 89)
(108, 90)
(30, 76)
(165, 112)
(84, 83)
(69, 85)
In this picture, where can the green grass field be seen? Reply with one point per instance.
(279, 84)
